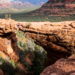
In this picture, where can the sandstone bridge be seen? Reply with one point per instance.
(57, 38)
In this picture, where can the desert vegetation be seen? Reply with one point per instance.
(32, 58)
(40, 18)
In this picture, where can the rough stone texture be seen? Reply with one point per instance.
(58, 38)
(1, 72)
(61, 67)
(47, 33)
(57, 7)
(6, 47)
(61, 0)
(23, 57)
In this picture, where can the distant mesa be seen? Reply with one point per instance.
(57, 7)
(61, 0)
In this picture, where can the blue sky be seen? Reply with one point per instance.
(23, 4)
(33, 1)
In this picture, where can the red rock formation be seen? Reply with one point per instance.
(69, 0)
(57, 38)
(61, 67)
(61, 0)
(58, 7)
(1, 72)
(6, 47)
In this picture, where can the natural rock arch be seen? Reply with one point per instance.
(56, 38)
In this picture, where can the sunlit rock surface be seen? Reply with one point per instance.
(61, 33)
(57, 38)
(61, 67)
(57, 7)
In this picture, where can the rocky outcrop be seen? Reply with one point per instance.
(61, 0)
(57, 8)
(1, 72)
(57, 38)
(61, 67)
(6, 47)
(18, 53)
(59, 33)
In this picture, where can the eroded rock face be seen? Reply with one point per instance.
(6, 47)
(61, 0)
(57, 38)
(18, 53)
(47, 32)
(61, 67)
(57, 7)
(1, 72)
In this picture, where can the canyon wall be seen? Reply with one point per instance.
(57, 7)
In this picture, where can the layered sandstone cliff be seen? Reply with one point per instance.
(57, 7)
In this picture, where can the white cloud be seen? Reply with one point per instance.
(5, 1)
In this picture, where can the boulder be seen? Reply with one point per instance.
(61, 67)
(1, 72)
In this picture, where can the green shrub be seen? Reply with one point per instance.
(37, 54)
